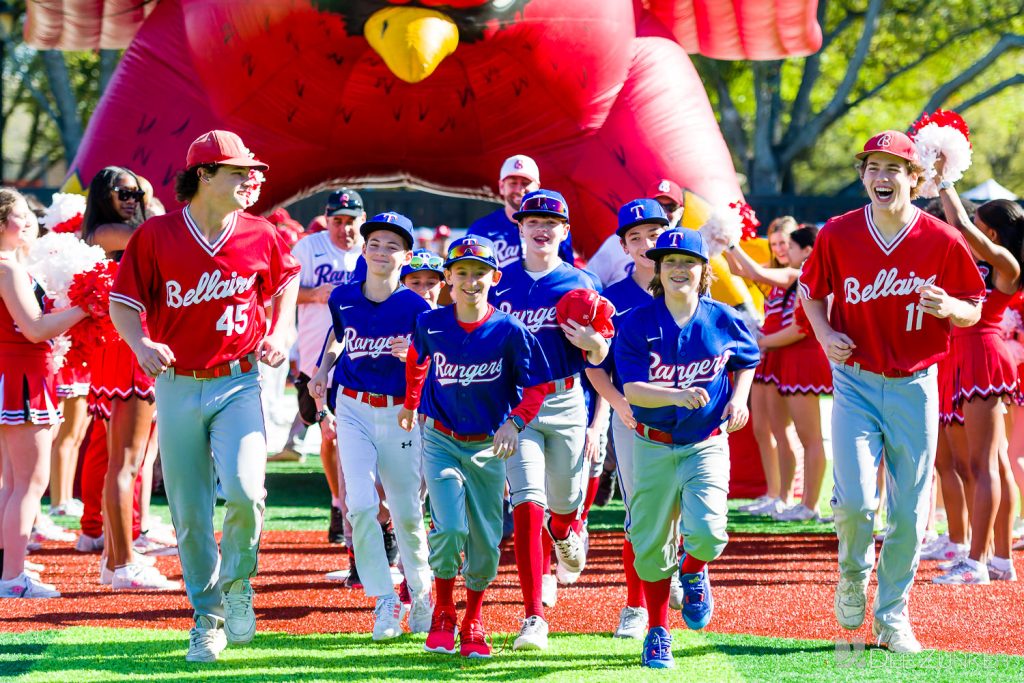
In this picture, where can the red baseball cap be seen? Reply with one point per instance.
(891, 142)
(221, 147)
(666, 188)
(587, 307)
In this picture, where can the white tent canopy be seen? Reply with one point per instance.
(989, 189)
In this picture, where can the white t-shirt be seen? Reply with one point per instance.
(322, 263)
(610, 263)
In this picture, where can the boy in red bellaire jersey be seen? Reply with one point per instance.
(900, 280)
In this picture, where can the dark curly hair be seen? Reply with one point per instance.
(186, 183)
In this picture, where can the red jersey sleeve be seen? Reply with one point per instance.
(283, 267)
(816, 276)
(533, 399)
(959, 275)
(135, 284)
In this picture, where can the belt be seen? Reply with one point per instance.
(465, 438)
(652, 434)
(893, 373)
(230, 369)
(564, 384)
(373, 400)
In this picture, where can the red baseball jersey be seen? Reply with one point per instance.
(875, 285)
(207, 302)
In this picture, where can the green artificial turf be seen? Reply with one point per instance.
(101, 654)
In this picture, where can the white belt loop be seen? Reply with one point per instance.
(169, 372)
(235, 367)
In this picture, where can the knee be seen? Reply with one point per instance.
(238, 493)
(449, 537)
(706, 545)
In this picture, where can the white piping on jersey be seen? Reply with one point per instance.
(128, 301)
(197, 234)
(889, 247)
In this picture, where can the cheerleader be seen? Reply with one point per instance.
(768, 411)
(803, 376)
(984, 373)
(27, 392)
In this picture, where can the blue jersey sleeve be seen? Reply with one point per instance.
(632, 354)
(334, 306)
(419, 338)
(744, 347)
(530, 363)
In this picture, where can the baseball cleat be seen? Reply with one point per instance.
(473, 640)
(533, 634)
(442, 631)
(698, 604)
(569, 551)
(387, 617)
(896, 639)
(632, 623)
(657, 652)
(850, 603)
(548, 590)
(966, 572)
(239, 617)
(138, 577)
(206, 640)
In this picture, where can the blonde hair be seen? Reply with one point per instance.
(784, 224)
(8, 198)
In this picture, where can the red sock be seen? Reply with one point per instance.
(530, 560)
(474, 604)
(691, 565)
(592, 485)
(560, 524)
(545, 552)
(445, 589)
(634, 586)
(657, 602)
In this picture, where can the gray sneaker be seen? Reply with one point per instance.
(850, 603)
(206, 640)
(632, 623)
(240, 620)
(421, 612)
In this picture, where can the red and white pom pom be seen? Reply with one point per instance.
(749, 218)
(945, 133)
(256, 180)
(55, 258)
(723, 227)
(59, 348)
(64, 213)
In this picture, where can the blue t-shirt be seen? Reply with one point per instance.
(366, 329)
(475, 379)
(504, 233)
(651, 348)
(533, 302)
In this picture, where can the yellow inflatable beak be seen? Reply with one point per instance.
(412, 41)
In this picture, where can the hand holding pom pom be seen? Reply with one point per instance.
(749, 219)
(942, 135)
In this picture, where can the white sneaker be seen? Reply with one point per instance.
(548, 590)
(421, 612)
(797, 513)
(632, 623)
(387, 617)
(69, 508)
(929, 545)
(896, 639)
(770, 509)
(151, 543)
(565, 577)
(46, 530)
(137, 577)
(206, 640)
(965, 572)
(34, 566)
(89, 544)
(944, 550)
(533, 635)
(995, 573)
(675, 593)
(25, 586)
(958, 557)
(850, 603)
(106, 575)
(239, 617)
(754, 504)
(569, 552)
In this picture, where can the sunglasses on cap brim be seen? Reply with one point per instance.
(426, 263)
(543, 203)
(464, 250)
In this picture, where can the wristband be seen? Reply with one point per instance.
(321, 415)
(945, 185)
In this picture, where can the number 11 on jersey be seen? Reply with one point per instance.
(234, 320)
(914, 322)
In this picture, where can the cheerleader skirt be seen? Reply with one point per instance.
(28, 387)
(803, 368)
(73, 381)
(983, 367)
(766, 371)
(950, 410)
(116, 375)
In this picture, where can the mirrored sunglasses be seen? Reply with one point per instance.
(471, 249)
(431, 262)
(544, 203)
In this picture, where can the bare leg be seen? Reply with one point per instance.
(130, 425)
(759, 397)
(66, 445)
(984, 426)
(952, 488)
(806, 412)
(778, 416)
(26, 450)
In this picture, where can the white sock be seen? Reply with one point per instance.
(1000, 563)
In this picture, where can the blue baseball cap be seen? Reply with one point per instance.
(424, 259)
(542, 203)
(475, 248)
(679, 241)
(395, 222)
(640, 211)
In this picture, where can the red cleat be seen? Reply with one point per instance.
(442, 630)
(473, 640)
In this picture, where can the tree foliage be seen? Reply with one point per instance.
(793, 125)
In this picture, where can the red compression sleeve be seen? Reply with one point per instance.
(415, 376)
(533, 398)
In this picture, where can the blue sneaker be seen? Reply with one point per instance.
(657, 652)
(698, 605)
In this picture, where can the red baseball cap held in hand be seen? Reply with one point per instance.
(221, 147)
(891, 142)
(587, 307)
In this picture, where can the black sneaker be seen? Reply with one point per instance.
(336, 530)
(353, 574)
(605, 488)
(390, 543)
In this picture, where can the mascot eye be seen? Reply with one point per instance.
(501, 4)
